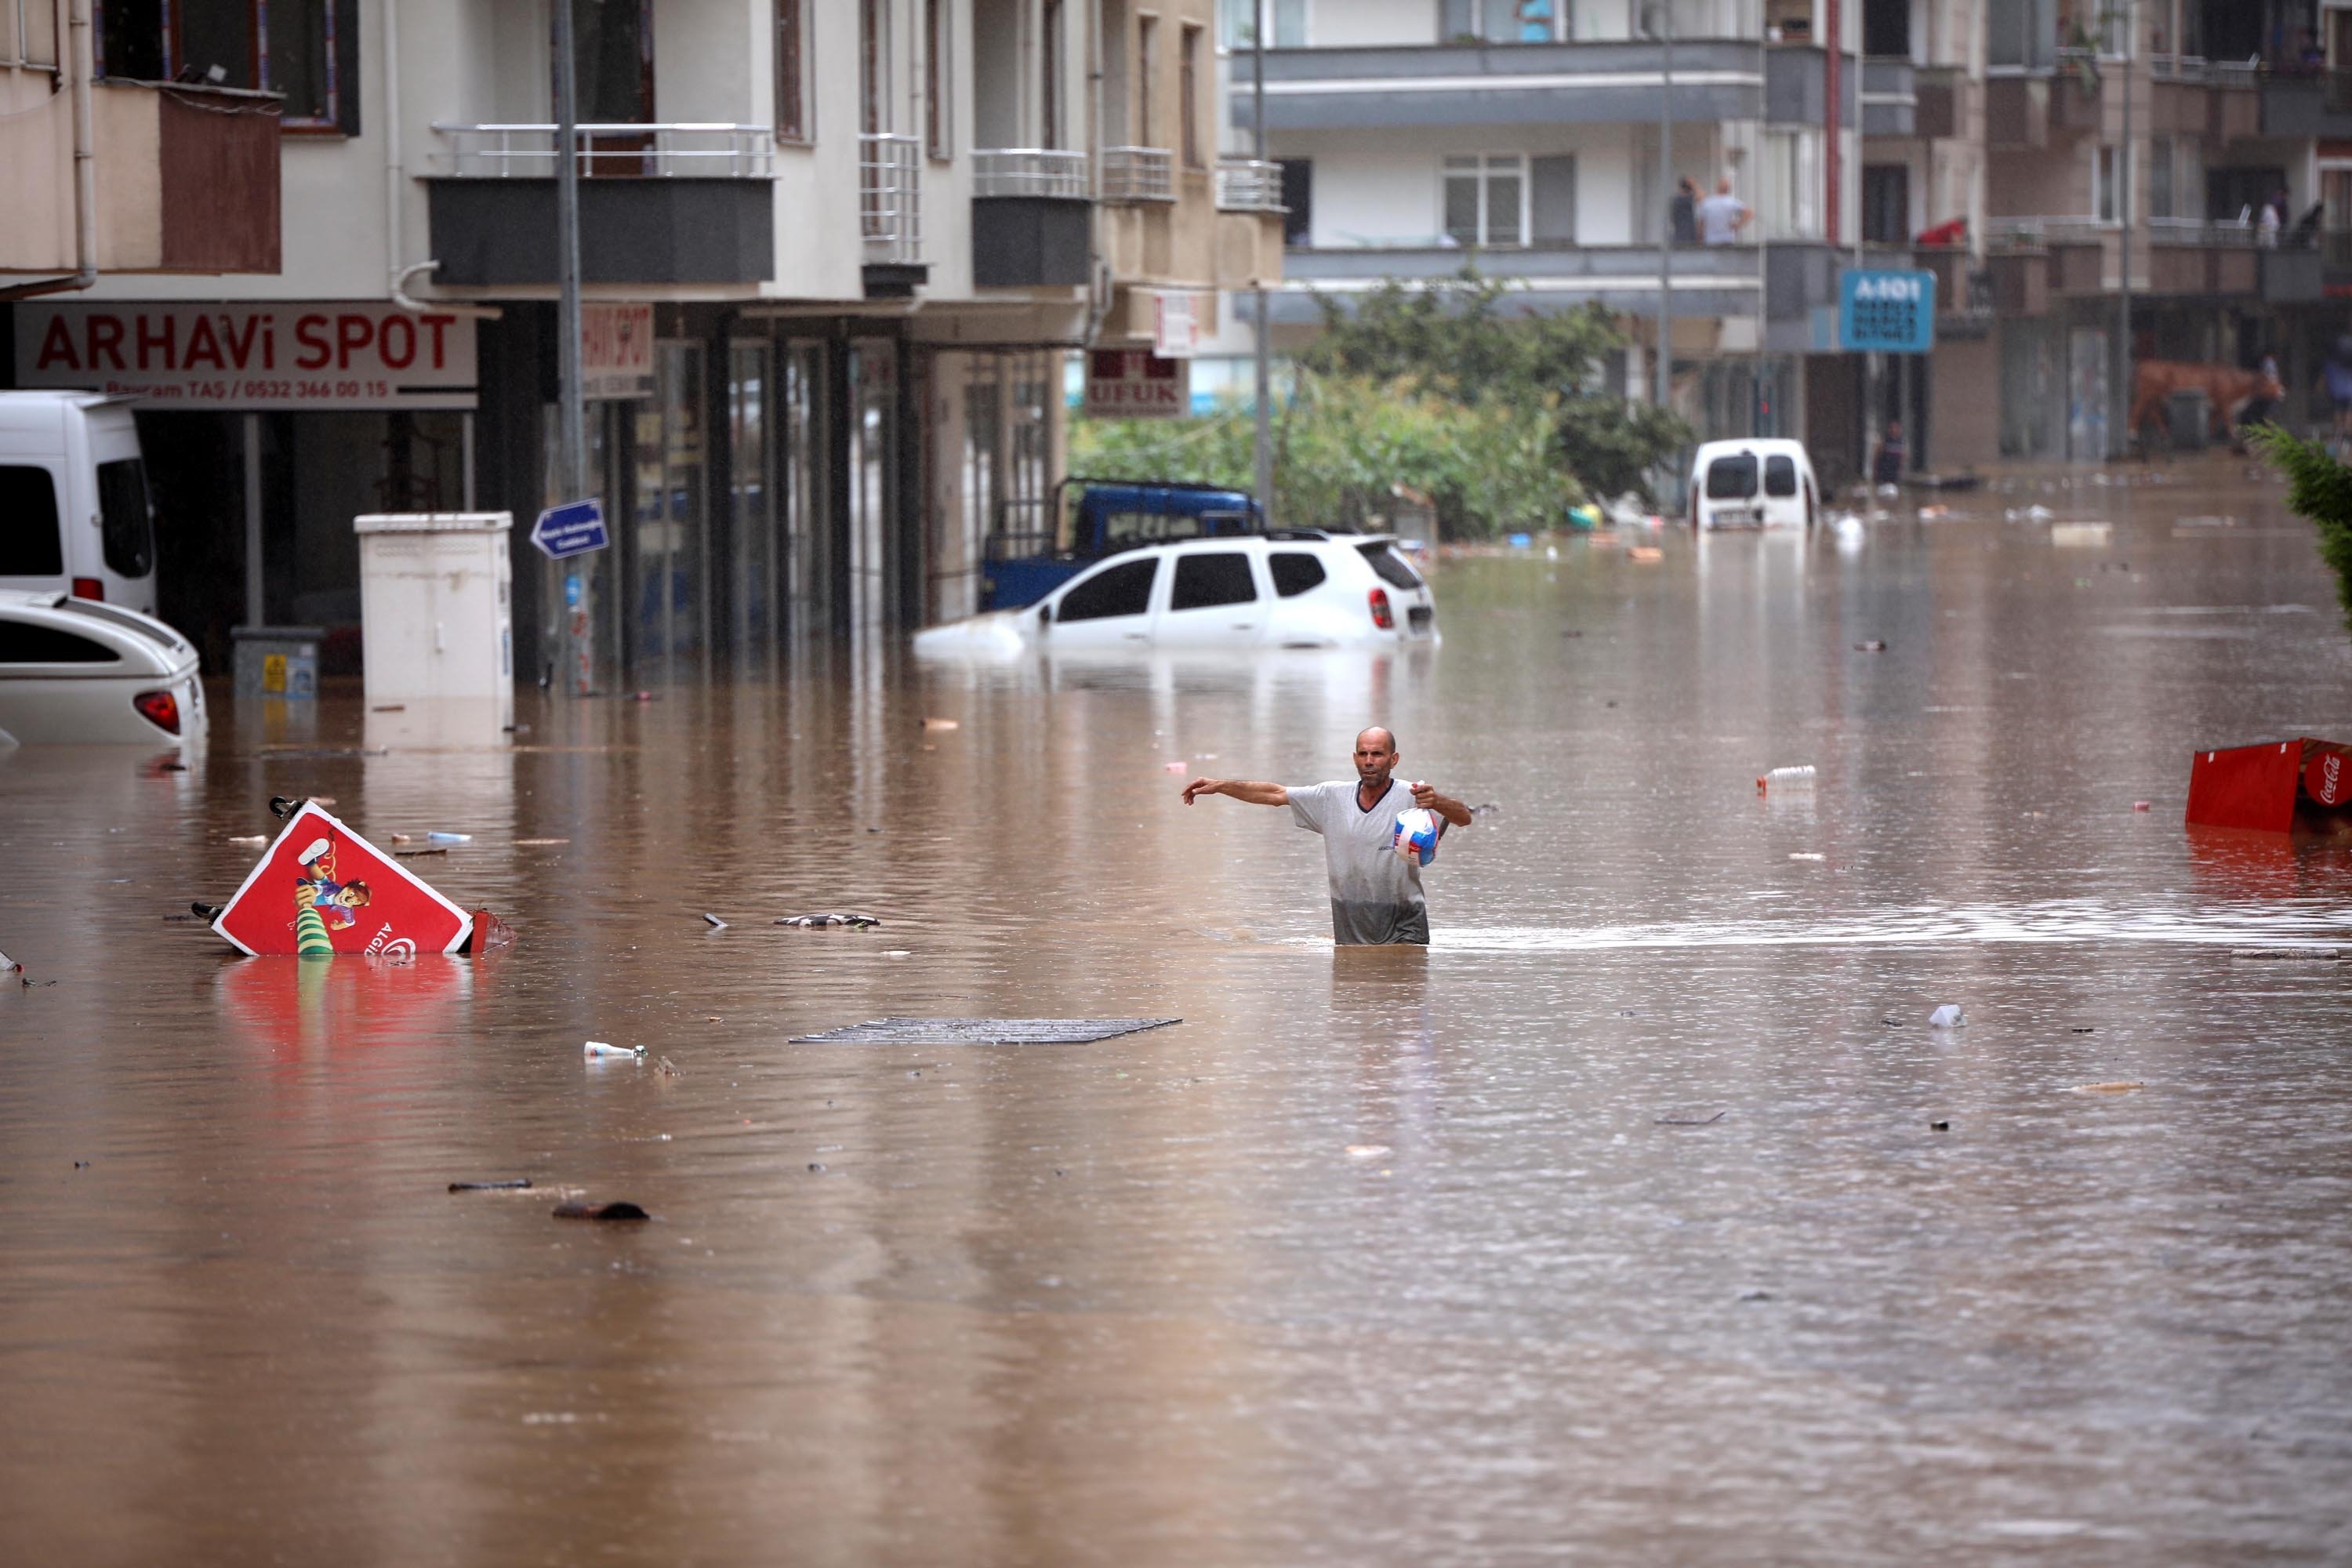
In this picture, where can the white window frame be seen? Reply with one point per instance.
(1485, 167)
(16, 32)
(2110, 184)
(1787, 204)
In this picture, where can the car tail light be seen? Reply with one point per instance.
(89, 588)
(1383, 617)
(160, 708)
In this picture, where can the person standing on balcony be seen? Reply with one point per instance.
(1682, 214)
(2266, 225)
(1722, 216)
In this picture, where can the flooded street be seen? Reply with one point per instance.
(1615, 1224)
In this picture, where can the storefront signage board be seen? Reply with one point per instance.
(283, 354)
(1887, 311)
(1130, 384)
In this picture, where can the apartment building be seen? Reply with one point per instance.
(834, 253)
(1526, 137)
(2070, 134)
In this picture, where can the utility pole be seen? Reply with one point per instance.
(2119, 432)
(1265, 435)
(579, 638)
(1661, 371)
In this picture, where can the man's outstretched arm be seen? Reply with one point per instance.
(1255, 793)
(1445, 806)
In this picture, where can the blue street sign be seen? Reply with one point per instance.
(571, 590)
(573, 529)
(1891, 312)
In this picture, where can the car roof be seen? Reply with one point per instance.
(124, 629)
(1288, 537)
(1775, 445)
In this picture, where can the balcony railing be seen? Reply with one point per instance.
(890, 197)
(1249, 185)
(523, 150)
(2196, 70)
(2040, 233)
(1029, 171)
(2205, 232)
(1139, 174)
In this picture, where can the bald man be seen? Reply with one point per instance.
(1375, 891)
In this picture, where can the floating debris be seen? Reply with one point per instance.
(535, 843)
(600, 1049)
(1948, 1016)
(943, 724)
(1367, 1150)
(855, 922)
(716, 924)
(599, 1211)
(2121, 1086)
(519, 1184)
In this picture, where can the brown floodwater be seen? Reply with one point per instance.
(1613, 1225)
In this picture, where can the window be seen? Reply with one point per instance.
(1049, 74)
(1188, 98)
(29, 543)
(938, 122)
(1147, 74)
(1286, 23)
(1388, 566)
(1298, 201)
(1485, 199)
(126, 527)
(28, 33)
(1731, 478)
(1790, 181)
(793, 96)
(1498, 21)
(2159, 176)
(1780, 476)
(304, 49)
(24, 642)
(1204, 582)
(1122, 590)
(874, 67)
(2108, 199)
(1551, 201)
(1295, 572)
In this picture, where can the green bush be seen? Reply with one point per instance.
(2320, 489)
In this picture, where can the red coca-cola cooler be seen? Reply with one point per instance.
(2279, 786)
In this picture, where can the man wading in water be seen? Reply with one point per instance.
(1375, 891)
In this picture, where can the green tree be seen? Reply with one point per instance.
(1468, 339)
(2320, 489)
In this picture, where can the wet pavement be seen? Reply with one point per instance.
(1617, 1223)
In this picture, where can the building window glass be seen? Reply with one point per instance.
(276, 46)
(1789, 176)
(1499, 21)
(1147, 72)
(1049, 74)
(794, 121)
(1286, 23)
(28, 33)
(1298, 201)
(2159, 177)
(939, 121)
(1188, 98)
(2107, 199)
(1485, 199)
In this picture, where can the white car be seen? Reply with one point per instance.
(1291, 588)
(1763, 482)
(77, 670)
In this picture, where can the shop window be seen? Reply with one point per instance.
(794, 95)
(29, 543)
(306, 50)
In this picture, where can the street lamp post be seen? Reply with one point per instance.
(1662, 27)
(2120, 433)
(1264, 437)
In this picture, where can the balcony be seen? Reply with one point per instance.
(1250, 216)
(2031, 259)
(2194, 257)
(1395, 86)
(2028, 112)
(1711, 281)
(1890, 98)
(1249, 185)
(1029, 213)
(187, 180)
(1132, 175)
(684, 203)
(2308, 104)
(890, 214)
(2216, 100)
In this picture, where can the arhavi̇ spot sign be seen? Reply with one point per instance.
(368, 903)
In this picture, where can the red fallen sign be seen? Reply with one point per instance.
(367, 902)
(2279, 786)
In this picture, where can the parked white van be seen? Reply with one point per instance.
(74, 513)
(1764, 482)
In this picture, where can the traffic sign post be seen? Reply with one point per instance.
(1886, 311)
(573, 529)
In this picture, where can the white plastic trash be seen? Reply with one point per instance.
(1948, 1016)
(599, 1049)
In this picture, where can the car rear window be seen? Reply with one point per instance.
(1780, 476)
(1295, 572)
(1207, 580)
(1122, 590)
(1392, 568)
(29, 543)
(125, 526)
(1731, 478)
(30, 642)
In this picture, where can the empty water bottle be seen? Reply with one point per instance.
(599, 1049)
(1948, 1016)
(1786, 778)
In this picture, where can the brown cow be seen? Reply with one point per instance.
(2227, 389)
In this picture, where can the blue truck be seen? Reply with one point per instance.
(1085, 520)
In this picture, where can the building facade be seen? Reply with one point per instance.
(833, 253)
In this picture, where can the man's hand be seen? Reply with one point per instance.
(1253, 794)
(1453, 811)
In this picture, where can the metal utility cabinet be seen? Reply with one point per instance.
(437, 608)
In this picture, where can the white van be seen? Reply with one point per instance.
(1764, 482)
(74, 514)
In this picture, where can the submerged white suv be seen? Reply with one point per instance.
(1291, 588)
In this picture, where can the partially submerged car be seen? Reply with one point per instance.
(1290, 588)
(75, 670)
(1762, 482)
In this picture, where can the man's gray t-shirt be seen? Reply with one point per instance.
(1375, 891)
(1719, 219)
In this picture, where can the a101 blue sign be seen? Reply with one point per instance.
(1886, 311)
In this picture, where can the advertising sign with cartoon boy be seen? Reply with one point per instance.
(323, 889)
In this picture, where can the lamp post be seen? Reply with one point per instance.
(2119, 400)
(1661, 20)
(1264, 438)
(572, 460)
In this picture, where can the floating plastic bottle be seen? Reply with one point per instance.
(1800, 776)
(436, 836)
(1948, 1016)
(599, 1049)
